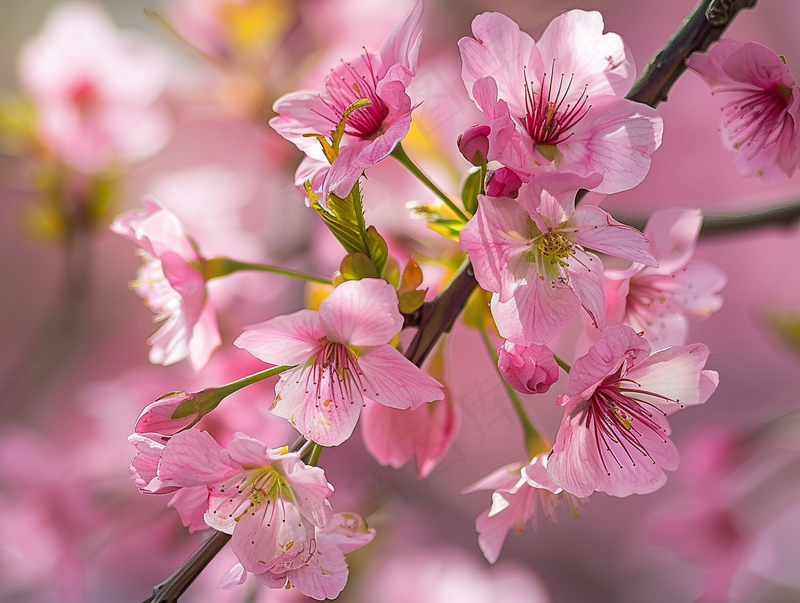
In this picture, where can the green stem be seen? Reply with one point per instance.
(221, 266)
(235, 386)
(313, 459)
(562, 364)
(484, 169)
(534, 442)
(400, 154)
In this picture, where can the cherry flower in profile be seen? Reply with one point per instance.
(171, 286)
(557, 104)
(518, 490)
(614, 435)
(372, 131)
(762, 121)
(657, 300)
(344, 360)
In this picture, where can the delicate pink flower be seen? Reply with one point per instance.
(320, 574)
(535, 263)
(171, 286)
(528, 369)
(371, 132)
(171, 413)
(556, 104)
(519, 488)
(762, 122)
(91, 84)
(344, 361)
(614, 436)
(393, 436)
(268, 499)
(656, 300)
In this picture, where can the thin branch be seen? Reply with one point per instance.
(173, 587)
(695, 35)
(785, 215)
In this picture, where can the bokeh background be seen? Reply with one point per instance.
(73, 358)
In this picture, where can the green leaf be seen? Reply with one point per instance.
(411, 301)
(378, 250)
(391, 272)
(470, 190)
(356, 266)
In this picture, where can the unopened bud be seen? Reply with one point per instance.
(503, 183)
(530, 370)
(474, 144)
(174, 412)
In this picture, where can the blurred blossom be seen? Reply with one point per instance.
(447, 575)
(761, 122)
(90, 84)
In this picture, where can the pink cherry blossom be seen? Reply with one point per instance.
(90, 83)
(556, 104)
(393, 436)
(528, 369)
(171, 286)
(344, 361)
(519, 489)
(657, 300)
(614, 435)
(268, 499)
(371, 132)
(535, 263)
(322, 573)
(762, 121)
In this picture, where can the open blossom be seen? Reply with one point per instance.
(556, 104)
(762, 121)
(171, 286)
(344, 361)
(90, 83)
(371, 132)
(322, 573)
(656, 300)
(518, 490)
(268, 499)
(614, 436)
(535, 262)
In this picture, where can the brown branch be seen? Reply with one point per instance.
(173, 587)
(785, 215)
(695, 35)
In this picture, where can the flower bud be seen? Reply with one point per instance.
(474, 144)
(503, 183)
(171, 413)
(530, 370)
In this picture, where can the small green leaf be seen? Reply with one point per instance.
(356, 266)
(470, 190)
(378, 250)
(412, 300)
(391, 272)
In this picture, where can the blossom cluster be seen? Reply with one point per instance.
(554, 283)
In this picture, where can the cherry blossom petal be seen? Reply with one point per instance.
(289, 339)
(193, 458)
(575, 39)
(536, 312)
(393, 380)
(597, 230)
(361, 313)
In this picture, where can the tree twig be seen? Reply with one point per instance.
(173, 587)
(785, 215)
(695, 35)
